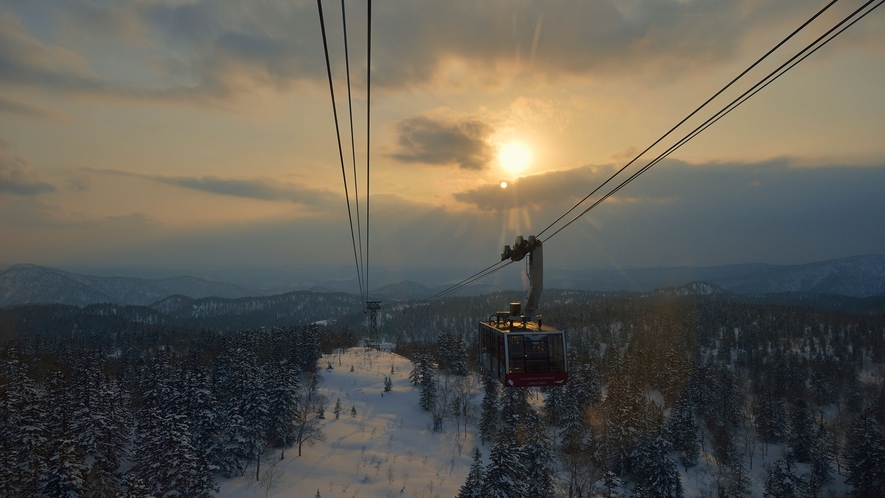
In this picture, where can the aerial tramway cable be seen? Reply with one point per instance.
(768, 79)
(467, 281)
(340, 149)
(686, 118)
(368, 132)
(356, 183)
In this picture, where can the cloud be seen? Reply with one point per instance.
(16, 176)
(534, 191)
(32, 213)
(676, 214)
(77, 183)
(29, 110)
(26, 61)
(127, 221)
(713, 213)
(775, 183)
(440, 143)
(214, 50)
(28, 212)
(252, 189)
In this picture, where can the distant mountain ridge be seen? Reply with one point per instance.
(859, 276)
(32, 284)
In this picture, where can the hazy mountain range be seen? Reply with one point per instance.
(860, 276)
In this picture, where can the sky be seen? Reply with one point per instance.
(186, 132)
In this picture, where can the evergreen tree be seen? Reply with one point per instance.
(683, 434)
(865, 457)
(472, 487)
(733, 480)
(554, 401)
(337, 409)
(23, 435)
(821, 462)
(282, 404)
(611, 481)
(770, 416)
(729, 398)
(505, 474)
(229, 451)
(656, 474)
(488, 423)
(515, 409)
(801, 431)
(167, 462)
(537, 459)
(627, 417)
(781, 481)
(201, 412)
(584, 384)
(67, 469)
(388, 384)
(572, 423)
(307, 350)
(459, 357)
(451, 353)
(428, 390)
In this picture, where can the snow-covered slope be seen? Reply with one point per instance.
(387, 449)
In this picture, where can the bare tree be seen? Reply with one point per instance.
(307, 419)
(463, 409)
(579, 472)
(271, 476)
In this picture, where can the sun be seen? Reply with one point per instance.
(514, 157)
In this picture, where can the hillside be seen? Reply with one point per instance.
(859, 276)
(31, 284)
(387, 449)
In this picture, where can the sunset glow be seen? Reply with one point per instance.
(514, 157)
(202, 133)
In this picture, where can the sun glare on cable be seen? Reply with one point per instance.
(514, 157)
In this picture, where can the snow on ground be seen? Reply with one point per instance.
(387, 450)
(700, 480)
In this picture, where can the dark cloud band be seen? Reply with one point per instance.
(250, 189)
(17, 178)
(427, 141)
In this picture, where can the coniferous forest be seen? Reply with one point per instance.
(99, 404)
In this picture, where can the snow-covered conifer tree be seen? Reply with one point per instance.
(472, 487)
(781, 481)
(428, 390)
(282, 381)
(66, 469)
(821, 461)
(801, 431)
(656, 474)
(22, 432)
(488, 423)
(683, 434)
(537, 458)
(865, 457)
(505, 474)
